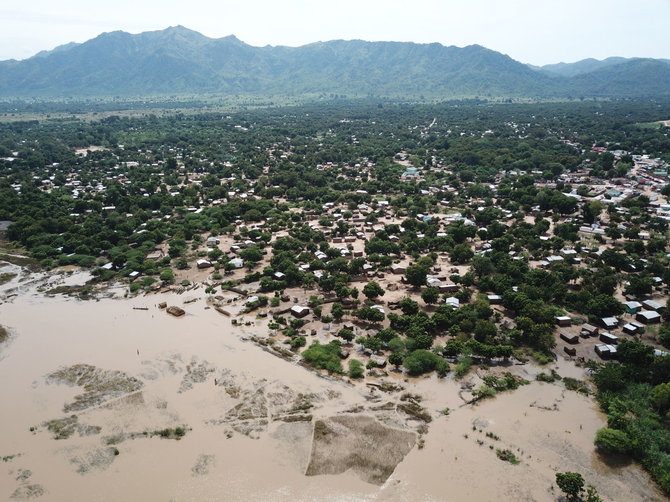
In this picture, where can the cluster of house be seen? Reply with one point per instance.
(608, 348)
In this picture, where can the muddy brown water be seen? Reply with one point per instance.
(248, 455)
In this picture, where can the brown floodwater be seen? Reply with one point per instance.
(200, 372)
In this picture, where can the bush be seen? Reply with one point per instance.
(408, 306)
(507, 456)
(346, 334)
(298, 341)
(373, 290)
(356, 369)
(337, 311)
(442, 368)
(571, 483)
(664, 335)
(463, 366)
(505, 382)
(324, 356)
(548, 377)
(167, 275)
(421, 361)
(612, 441)
(576, 385)
(430, 295)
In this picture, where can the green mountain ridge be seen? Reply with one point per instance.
(179, 61)
(586, 66)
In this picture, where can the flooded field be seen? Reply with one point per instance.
(103, 400)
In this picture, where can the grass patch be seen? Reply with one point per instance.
(22, 261)
(390, 387)
(576, 385)
(408, 396)
(505, 382)
(493, 385)
(507, 456)
(170, 432)
(83, 292)
(415, 410)
(410, 405)
(548, 377)
(542, 358)
(5, 278)
(649, 125)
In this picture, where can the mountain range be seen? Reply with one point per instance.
(178, 61)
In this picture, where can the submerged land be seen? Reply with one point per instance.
(339, 301)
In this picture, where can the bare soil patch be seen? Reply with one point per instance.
(359, 443)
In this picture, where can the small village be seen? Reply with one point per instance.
(362, 236)
(466, 258)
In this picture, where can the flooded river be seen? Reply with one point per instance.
(156, 408)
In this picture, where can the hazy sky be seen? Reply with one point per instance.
(531, 31)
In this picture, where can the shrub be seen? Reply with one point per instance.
(442, 368)
(548, 377)
(571, 483)
(576, 385)
(356, 369)
(167, 275)
(324, 356)
(507, 456)
(420, 361)
(612, 441)
(463, 366)
(346, 334)
(298, 341)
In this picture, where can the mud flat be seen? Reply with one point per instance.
(113, 399)
(359, 443)
(548, 428)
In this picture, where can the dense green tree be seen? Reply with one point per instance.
(430, 295)
(373, 290)
(416, 275)
(420, 361)
(570, 483)
(337, 311)
(612, 441)
(461, 253)
(408, 306)
(324, 356)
